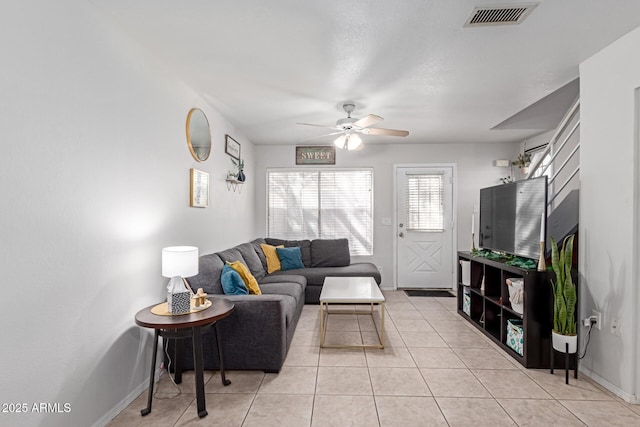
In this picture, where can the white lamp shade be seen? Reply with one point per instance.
(180, 261)
(339, 141)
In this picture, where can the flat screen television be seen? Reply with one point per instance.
(511, 216)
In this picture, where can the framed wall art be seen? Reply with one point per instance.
(199, 189)
(232, 147)
(316, 155)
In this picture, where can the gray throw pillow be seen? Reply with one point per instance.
(330, 253)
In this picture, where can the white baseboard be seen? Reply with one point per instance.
(627, 397)
(126, 401)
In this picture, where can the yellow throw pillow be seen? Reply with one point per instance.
(273, 262)
(247, 277)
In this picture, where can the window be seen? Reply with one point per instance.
(545, 162)
(328, 204)
(425, 206)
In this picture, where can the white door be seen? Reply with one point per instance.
(424, 228)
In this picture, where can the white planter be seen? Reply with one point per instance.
(559, 342)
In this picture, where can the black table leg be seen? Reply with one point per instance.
(197, 361)
(147, 410)
(177, 361)
(225, 381)
(551, 357)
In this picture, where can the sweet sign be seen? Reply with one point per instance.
(316, 155)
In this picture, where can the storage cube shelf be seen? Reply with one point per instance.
(490, 309)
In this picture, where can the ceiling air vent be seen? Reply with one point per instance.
(499, 15)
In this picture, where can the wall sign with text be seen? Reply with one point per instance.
(316, 155)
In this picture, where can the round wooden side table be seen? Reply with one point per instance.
(186, 326)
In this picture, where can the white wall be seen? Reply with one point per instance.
(95, 181)
(609, 217)
(474, 166)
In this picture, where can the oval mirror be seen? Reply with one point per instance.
(198, 135)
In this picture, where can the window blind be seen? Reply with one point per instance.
(328, 204)
(424, 203)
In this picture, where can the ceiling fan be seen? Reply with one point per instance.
(349, 128)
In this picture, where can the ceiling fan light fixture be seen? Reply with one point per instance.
(354, 142)
(340, 141)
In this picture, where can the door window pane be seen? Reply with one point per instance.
(424, 204)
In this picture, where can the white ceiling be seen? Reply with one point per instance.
(266, 65)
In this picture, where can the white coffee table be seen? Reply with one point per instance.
(350, 290)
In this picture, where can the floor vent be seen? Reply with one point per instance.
(499, 15)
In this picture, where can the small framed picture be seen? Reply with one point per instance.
(232, 147)
(199, 193)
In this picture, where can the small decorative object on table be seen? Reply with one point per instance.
(199, 298)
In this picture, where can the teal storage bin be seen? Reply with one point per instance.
(515, 336)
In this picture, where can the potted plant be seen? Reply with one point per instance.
(523, 161)
(239, 164)
(564, 297)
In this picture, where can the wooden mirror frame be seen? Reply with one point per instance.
(195, 133)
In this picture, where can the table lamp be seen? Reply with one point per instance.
(179, 262)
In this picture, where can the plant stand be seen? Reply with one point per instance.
(566, 362)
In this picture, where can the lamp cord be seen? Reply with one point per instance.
(166, 352)
(586, 343)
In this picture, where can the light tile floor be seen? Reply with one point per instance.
(436, 370)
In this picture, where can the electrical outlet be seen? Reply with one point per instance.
(598, 315)
(615, 326)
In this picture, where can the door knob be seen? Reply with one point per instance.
(401, 225)
(401, 234)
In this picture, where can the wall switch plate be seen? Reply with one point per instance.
(615, 326)
(386, 221)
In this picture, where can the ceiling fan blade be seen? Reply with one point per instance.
(320, 136)
(367, 121)
(389, 132)
(319, 126)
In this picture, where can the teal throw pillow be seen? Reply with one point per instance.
(232, 283)
(290, 258)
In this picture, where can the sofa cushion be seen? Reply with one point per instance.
(283, 276)
(284, 288)
(252, 260)
(304, 245)
(273, 262)
(315, 276)
(231, 255)
(330, 253)
(290, 258)
(247, 277)
(256, 246)
(208, 277)
(232, 283)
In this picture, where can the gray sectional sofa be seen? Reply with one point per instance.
(257, 335)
